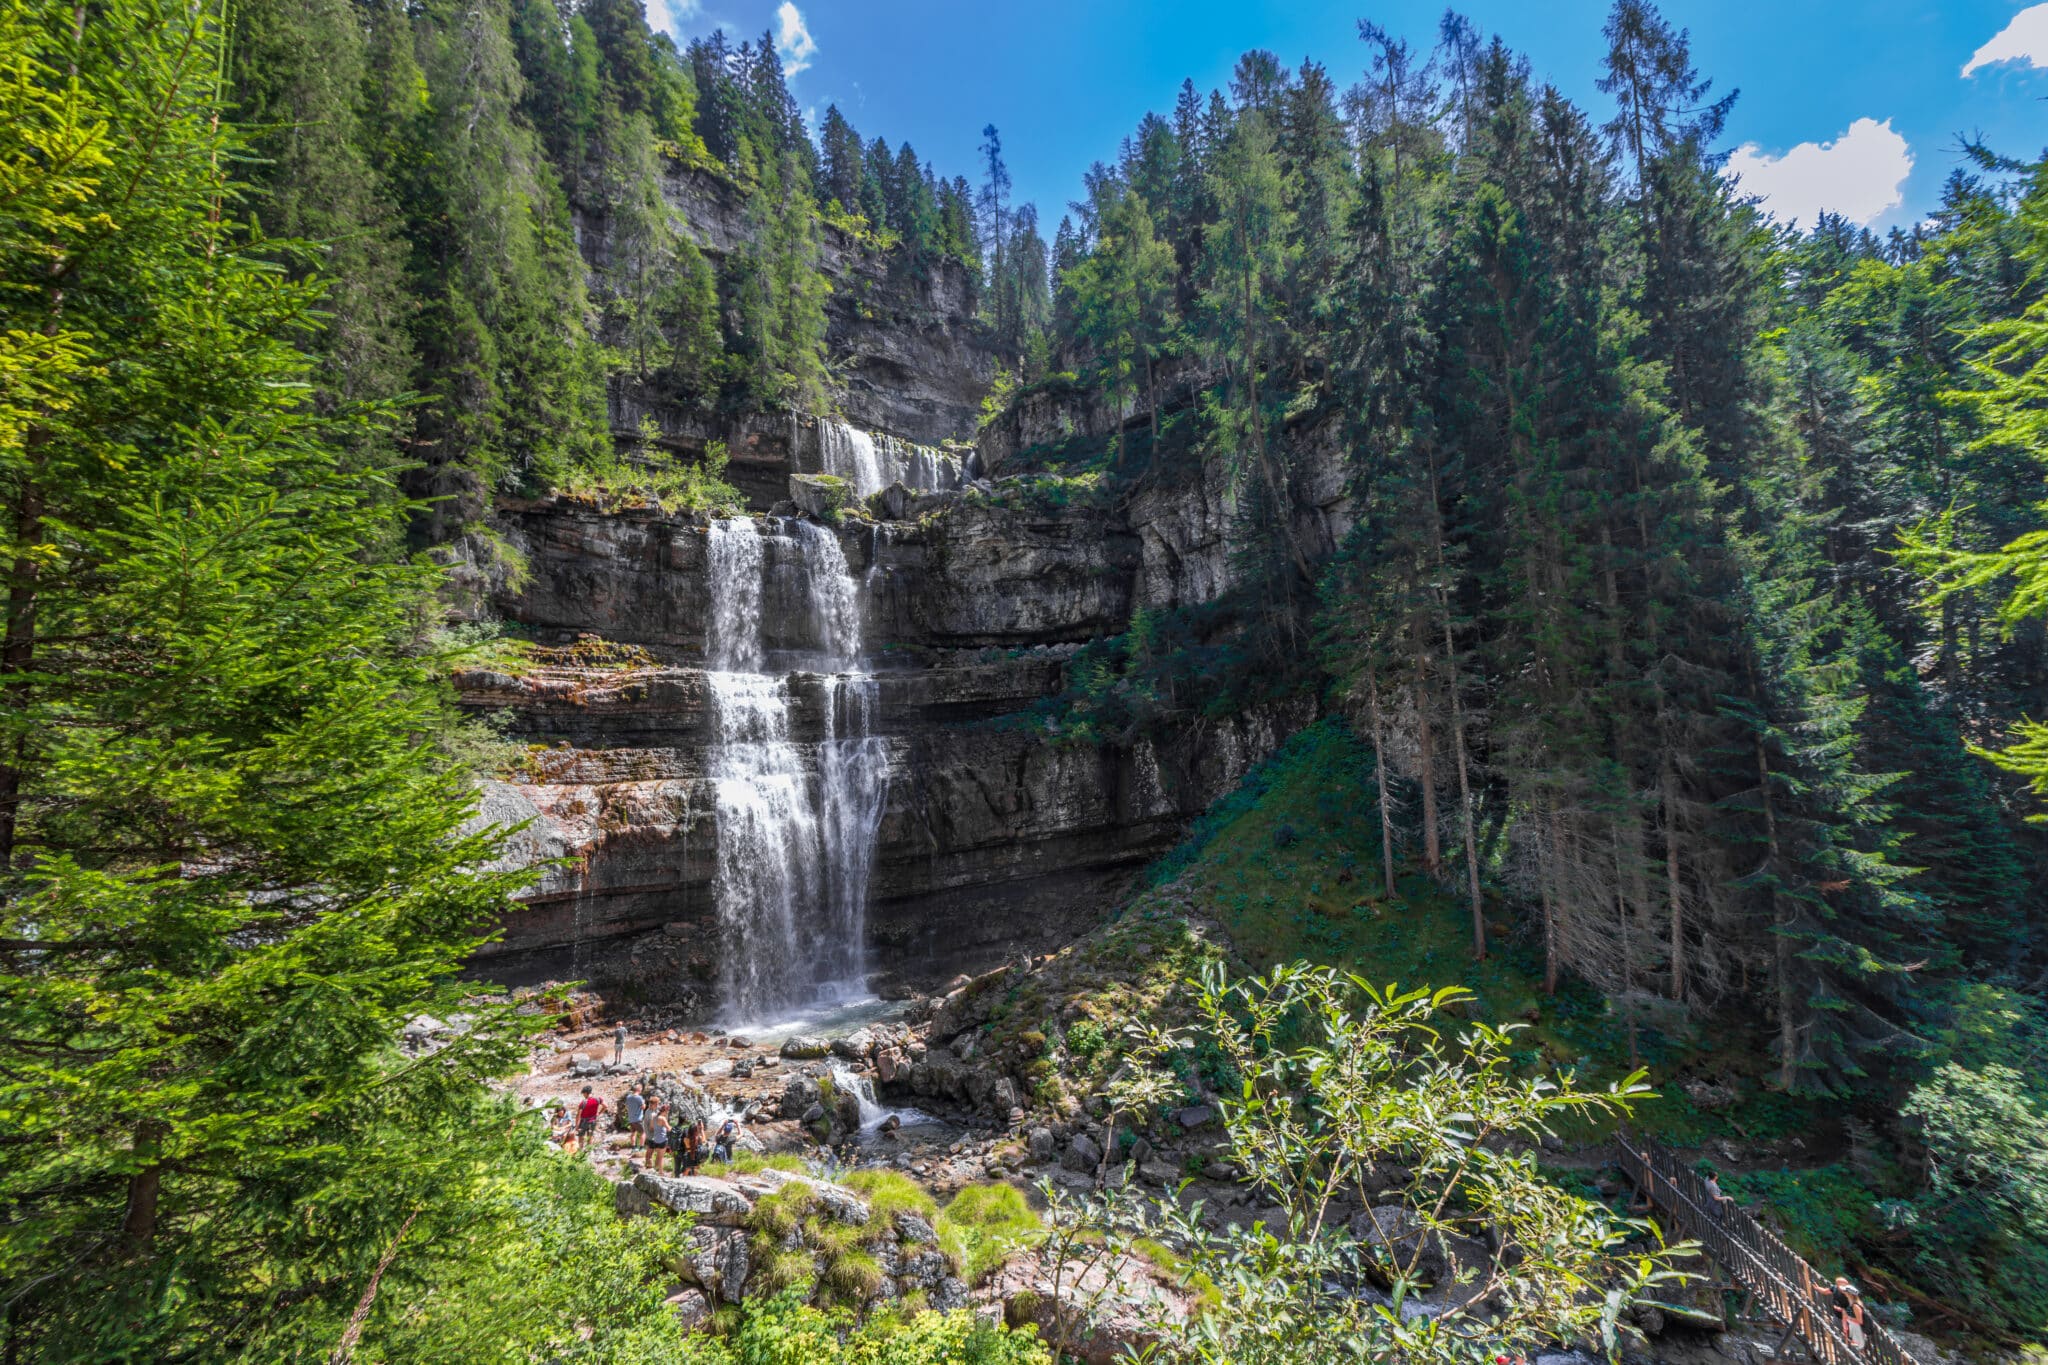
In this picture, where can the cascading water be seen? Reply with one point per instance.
(873, 1113)
(796, 822)
(871, 462)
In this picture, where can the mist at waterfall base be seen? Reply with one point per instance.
(797, 822)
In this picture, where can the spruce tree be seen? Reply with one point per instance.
(233, 858)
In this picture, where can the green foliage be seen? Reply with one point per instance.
(984, 1225)
(651, 477)
(234, 858)
(786, 1331)
(1085, 1038)
(888, 1194)
(1979, 1226)
(538, 1266)
(1340, 1073)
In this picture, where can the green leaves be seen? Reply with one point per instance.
(235, 860)
(1343, 1081)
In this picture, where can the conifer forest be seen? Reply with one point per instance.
(1211, 774)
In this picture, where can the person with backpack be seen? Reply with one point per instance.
(693, 1146)
(1848, 1305)
(728, 1134)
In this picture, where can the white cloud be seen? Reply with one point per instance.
(670, 15)
(1860, 175)
(2025, 39)
(794, 39)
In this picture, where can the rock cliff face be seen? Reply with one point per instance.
(996, 836)
(909, 357)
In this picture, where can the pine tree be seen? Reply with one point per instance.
(232, 858)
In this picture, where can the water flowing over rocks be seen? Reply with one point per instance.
(808, 764)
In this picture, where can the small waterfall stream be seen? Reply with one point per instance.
(796, 821)
(871, 461)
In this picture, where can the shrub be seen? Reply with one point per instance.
(786, 1331)
(889, 1194)
(1085, 1038)
(1337, 1073)
(984, 1225)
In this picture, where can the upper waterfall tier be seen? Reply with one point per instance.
(871, 461)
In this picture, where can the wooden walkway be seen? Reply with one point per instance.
(1789, 1289)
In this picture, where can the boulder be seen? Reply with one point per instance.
(691, 1306)
(713, 1070)
(798, 1093)
(968, 1006)
(1084, 1154)
(836, 1200)
(1042, 1145)
(421, 1027)
(823, 496)
(804, 1048)
(719, 1263)
(1196, 1116)
(720, 1203)
(1442, 1255)
(687, 1101)
(855, 1046)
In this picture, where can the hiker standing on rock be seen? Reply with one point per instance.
(657, 1135)
(619, 1044)
(586, 1116)
(634, 1109)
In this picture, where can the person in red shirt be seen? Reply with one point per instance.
(586, 1116)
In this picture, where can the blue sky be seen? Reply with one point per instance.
(1858, 108)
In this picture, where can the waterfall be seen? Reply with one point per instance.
(871, 461)
(796, 822)
(873, 1113)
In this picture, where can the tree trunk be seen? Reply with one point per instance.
(1379, 763)
(1672, 885)
(1788, 999)
(1628, 949)
(1432, 853)
(1545, 875)
(18, 649)
(1443, 606)
(138, 1222)
(1152, 398)
(1465, 800)
(1274, 490)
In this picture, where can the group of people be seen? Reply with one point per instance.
(656, 1129)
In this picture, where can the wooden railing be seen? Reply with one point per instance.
(1787, 1287)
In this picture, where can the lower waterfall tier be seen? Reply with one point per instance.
(996, 835)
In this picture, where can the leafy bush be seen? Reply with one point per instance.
(786, 1331)
(648, 476)
(1085, 1038)
(1979, 1226)
(1339, 1075)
